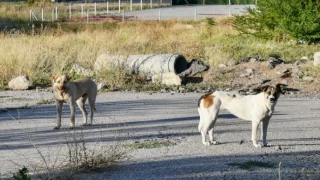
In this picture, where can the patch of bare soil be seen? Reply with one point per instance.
(252, 75)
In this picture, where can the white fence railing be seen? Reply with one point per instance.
(97, 11)
(87, 10)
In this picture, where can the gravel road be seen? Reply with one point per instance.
(138, 117)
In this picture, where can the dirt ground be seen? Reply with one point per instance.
(251, 75)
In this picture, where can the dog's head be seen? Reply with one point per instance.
(61, 82)
(272, 93)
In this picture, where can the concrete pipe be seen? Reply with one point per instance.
(153, 63)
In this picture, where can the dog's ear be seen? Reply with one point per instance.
(264, 88)
(280, 88)
(68, 78)
(54, 78)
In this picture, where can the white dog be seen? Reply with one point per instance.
(255, 108)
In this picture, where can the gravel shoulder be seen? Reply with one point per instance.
(138, 117)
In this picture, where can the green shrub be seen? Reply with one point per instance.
(22, 174)
(274, 19)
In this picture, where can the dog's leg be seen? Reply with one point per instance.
(81, 104)
(255, 125)
(212, 141)
(59, 112)
(92, 101)
(73, 110)
(264, 129)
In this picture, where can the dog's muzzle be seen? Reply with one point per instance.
(272, 99)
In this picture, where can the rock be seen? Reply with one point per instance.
(81, 70)
(195, 67)
(222, 65)
(284, 81)
(231, 62)
(249, 70)
(100, 86)
(308, 79)
(20, 83)
(316, 58)
(244, 75)
(273, 61)
(167, 79)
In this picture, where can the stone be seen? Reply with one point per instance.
(316, 58)
(81, 70)
(167, 79)
(195, 67)
(222, 65)
(20, 83)
(308, 79)
(249, 70)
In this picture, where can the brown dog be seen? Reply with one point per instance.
(73, 92)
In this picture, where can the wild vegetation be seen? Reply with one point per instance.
(42, 49)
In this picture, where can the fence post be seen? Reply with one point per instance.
(195, 14)
(95, 9)
(159, 15)
(107, 7)
(81, 10)
(56, 12)
(141, 4)
(151, 4)
(130, 5)
(32, 15)
(123, 15)
(88, 16)
(69, 10)
(42, 15)
(119, 6)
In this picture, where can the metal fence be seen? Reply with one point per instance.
(68, 11)
(131, 10)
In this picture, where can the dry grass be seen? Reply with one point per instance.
(47, 49)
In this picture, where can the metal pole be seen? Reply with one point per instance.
(195, 14)
(107, 7)
(141, 4)
(81, 10)
(95, 9)
(52, 15)
(159, 15)
(151, 4)
(130, 5)
(56, 12)
(42, 14)
(123, 15)
(119, 6)
(88, 16)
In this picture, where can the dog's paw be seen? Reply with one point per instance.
(206, 143)
(257, 145)
(214, 142)
(71, 127)
(57, 127)
(267, 145)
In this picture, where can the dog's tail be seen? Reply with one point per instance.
(200, 122)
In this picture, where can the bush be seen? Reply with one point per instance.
(273, 19)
